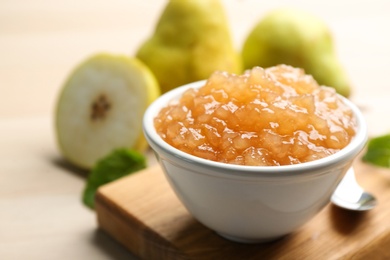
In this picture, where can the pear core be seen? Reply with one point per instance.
(100, 108)
(265, 117)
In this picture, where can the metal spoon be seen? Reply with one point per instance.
(350, 195)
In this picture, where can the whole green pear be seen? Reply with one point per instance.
(299, 39)
(191, 40)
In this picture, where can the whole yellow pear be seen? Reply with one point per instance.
(191, 40)
(299, 39)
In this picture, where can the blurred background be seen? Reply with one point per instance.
(41, 41)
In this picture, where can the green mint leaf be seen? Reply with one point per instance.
(378, 151)
(117, 164)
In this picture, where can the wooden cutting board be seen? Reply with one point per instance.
(142, 213)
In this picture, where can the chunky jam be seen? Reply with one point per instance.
(265, 117)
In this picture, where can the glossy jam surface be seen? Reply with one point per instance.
(276, 116)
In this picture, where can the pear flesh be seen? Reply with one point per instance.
(191, 41)
(299, 39)
(100, 108)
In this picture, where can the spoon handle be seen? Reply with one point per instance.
(348, 188)
(350, 195)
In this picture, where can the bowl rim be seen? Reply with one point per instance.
(348, 153)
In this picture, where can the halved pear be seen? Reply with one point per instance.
(100, 108)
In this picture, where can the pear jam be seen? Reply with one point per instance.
(265, 117)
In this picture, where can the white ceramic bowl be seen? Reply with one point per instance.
(250, 203)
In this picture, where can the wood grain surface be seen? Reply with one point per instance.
(142, 212)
